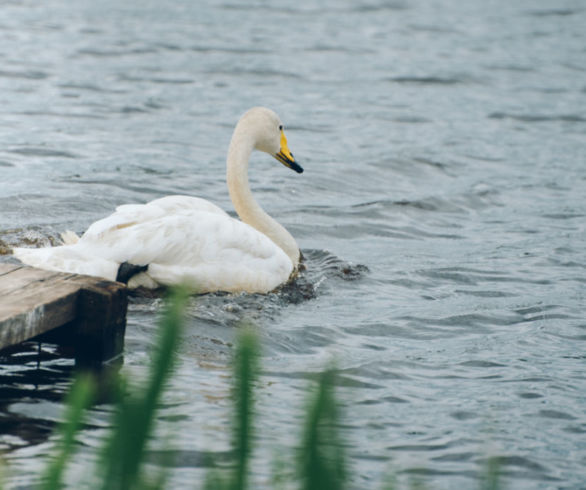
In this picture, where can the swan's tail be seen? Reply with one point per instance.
(67, 258)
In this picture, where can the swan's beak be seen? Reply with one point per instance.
(286, 157)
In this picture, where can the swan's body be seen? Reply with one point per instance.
(190, 241)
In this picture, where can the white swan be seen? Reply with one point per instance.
(190, 241)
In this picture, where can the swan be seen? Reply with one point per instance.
(184, 240)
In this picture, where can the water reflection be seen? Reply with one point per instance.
(33, 377)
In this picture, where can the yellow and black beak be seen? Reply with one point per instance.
(286, 157)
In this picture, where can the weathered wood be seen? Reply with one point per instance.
(101, 322)
(34, 301)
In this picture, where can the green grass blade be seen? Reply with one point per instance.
(245, 373)
(390, 482)
(322, 458)
(491, 478)
(134, 420)
(214, 481)
(79, 398)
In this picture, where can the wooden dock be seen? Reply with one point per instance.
(86, 313)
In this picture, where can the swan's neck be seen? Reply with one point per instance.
(245, 205)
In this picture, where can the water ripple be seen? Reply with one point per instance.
(24, 74)
(43, 152)
(538, 118)
(428, 80)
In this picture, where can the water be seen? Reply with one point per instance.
(444, 149)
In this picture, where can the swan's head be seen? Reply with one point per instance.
(266, 129)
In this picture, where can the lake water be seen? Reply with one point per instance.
(444, 147)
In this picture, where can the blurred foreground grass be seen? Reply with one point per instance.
(321, 463)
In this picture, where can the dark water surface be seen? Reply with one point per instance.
(444, 147)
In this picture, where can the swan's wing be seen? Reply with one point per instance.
(178, 204)
(210, 251)
(133, 214)
(125, 216)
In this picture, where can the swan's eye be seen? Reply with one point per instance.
(281, 127)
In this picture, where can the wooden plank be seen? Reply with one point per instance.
(34, 301)
(8, 268)
(36, 309)
(20, 278)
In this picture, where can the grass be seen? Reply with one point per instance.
(244, 375)
(321, 463)
(80, 397)
(123, 453)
